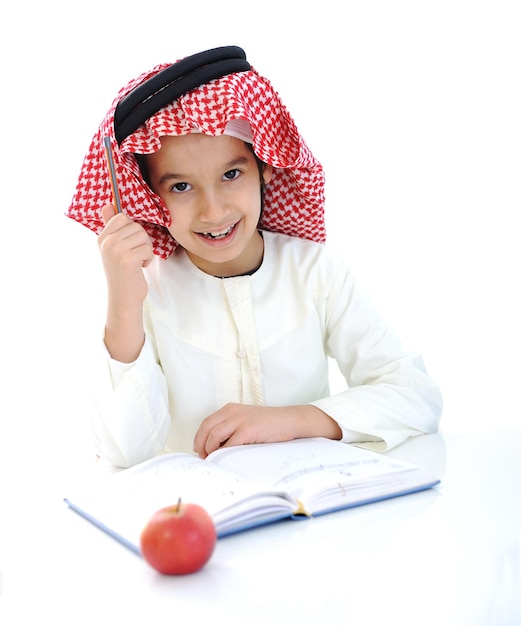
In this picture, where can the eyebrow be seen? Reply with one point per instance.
(168, 176)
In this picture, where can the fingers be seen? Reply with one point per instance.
(107, 213)
(214, 432)
(123, 238)
(239, 424)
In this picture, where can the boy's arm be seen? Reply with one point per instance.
(238, 424)
(125, 249)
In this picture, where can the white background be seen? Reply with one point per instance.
(414, 109)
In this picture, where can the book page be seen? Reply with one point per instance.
(315, 469)
(284, 464)
(125, 501)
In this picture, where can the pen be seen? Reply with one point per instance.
(112, 173)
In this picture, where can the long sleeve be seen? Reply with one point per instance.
(132, 420)
(390, 396)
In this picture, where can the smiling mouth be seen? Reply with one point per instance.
(221, 235)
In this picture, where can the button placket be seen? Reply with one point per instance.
(238, 291)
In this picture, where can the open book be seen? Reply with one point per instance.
(247, 486)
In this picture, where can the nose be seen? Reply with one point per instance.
(212, 206)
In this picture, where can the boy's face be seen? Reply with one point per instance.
(211, 188)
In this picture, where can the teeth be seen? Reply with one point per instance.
(219, 235)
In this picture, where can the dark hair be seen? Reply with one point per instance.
(143, 167)
(260, 165)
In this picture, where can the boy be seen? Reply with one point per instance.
(223, 303)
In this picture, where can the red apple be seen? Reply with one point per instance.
(178, 539)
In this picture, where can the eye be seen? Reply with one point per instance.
(180, 187)
(232, 174)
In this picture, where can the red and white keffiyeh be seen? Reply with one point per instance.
(293, 199)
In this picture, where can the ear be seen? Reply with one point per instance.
(267, 173)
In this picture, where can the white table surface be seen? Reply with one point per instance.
(447, 556)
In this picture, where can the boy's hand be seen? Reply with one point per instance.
(125, 249)
(238, 424)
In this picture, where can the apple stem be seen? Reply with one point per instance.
(178, 508)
